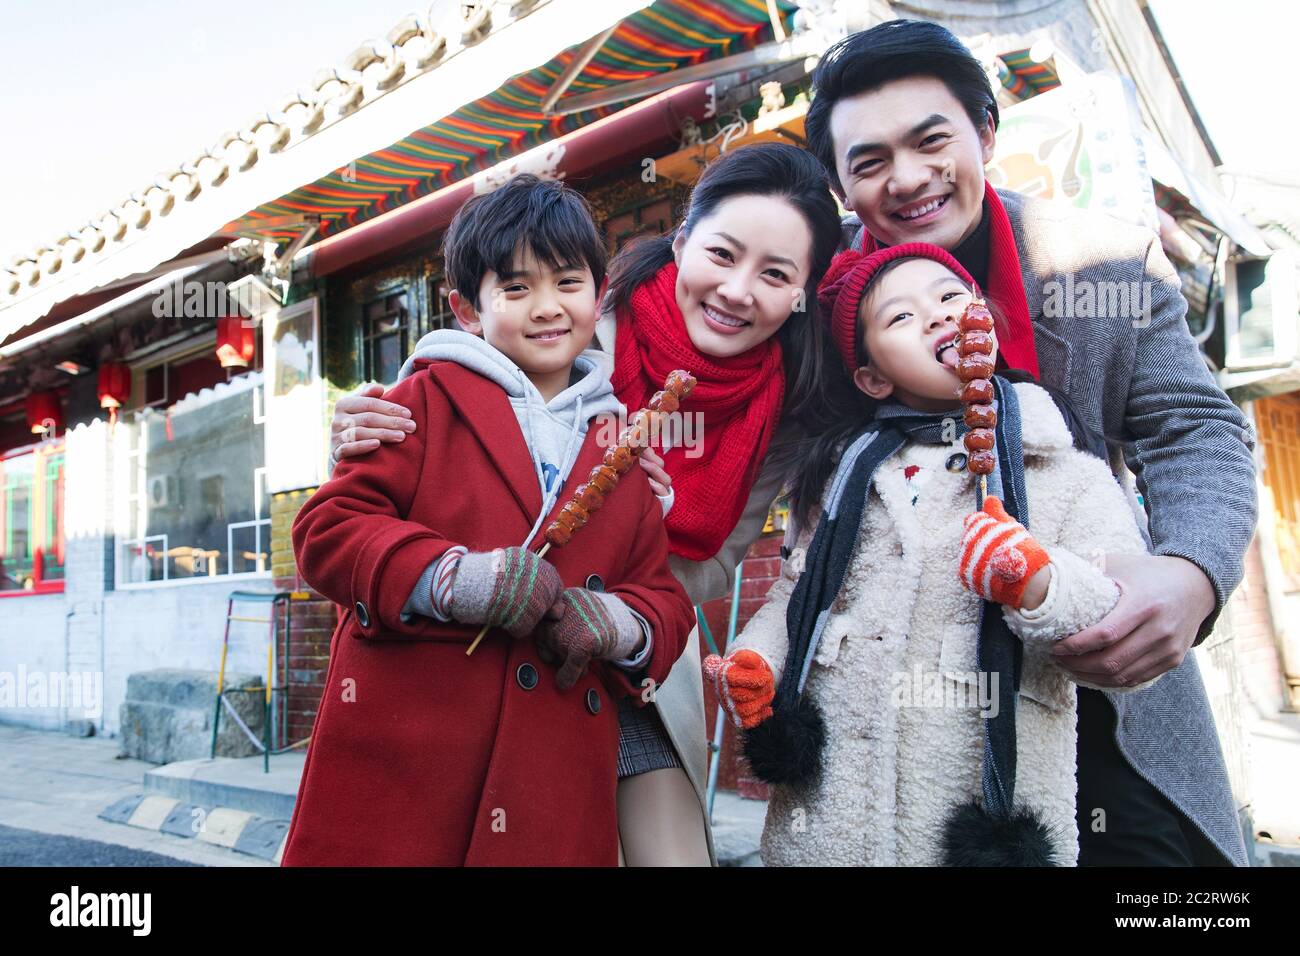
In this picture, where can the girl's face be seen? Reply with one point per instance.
(909, 317)
(741, 272)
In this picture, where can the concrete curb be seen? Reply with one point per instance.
(236, 830)
(236, 782)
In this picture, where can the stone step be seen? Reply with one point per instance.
(237, 783)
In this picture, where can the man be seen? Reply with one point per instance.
(904, 120)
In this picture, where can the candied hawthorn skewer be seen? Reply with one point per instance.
(632, 441)
(975, 369)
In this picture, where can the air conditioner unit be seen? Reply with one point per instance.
(1260, 311)
(163, 491)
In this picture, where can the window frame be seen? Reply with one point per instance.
(370, 338)
(1279, 271)
(434, 313)
(49, 446)
(124, 460)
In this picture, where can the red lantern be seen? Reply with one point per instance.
(114, 384)
(44, 412)
(236, 342)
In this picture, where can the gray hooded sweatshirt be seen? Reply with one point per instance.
(553, 431)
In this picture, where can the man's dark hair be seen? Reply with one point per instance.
(891, 51)
(490, 231)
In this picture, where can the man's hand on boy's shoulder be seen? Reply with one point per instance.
(363, 421)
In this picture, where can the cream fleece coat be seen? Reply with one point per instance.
(896, 676)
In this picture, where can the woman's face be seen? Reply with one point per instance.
(741, 272)
(909, 321)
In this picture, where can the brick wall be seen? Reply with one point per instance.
(1259, 669)
(313, 620)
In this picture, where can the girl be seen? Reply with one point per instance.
(731, 296)
(903, 716)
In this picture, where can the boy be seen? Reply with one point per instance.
(423, 755)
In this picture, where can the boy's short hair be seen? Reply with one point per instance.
(894, 50)
(543, 215)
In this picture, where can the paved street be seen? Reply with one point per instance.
(53, 785)
(32, 848)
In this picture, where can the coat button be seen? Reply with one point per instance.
(363, 616)
(594, 583)
(593, 701)
(956, 462)
(527, 676)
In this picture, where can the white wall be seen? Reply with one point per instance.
(176, 626)
(109, 634)
(31, 644)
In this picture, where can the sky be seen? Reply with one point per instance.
(97, 98)
(1237, 60)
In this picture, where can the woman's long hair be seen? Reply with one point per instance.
(762, 169)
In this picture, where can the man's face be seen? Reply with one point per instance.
(910, 162)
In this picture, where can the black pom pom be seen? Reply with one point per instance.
(974, 837)
(787, 747)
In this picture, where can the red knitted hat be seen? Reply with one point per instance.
(850, 273)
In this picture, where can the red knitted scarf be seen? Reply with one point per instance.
(1005, 286)
(738, 399)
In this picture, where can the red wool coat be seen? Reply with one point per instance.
(421, 755)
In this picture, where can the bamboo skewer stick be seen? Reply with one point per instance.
(589, 496)
(541, 553)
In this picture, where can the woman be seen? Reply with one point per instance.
(730, 295)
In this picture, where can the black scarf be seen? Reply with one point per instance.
(787, 747)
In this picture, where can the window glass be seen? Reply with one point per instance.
(195, 486)
(440, 313)
(31, 519)
(385, 330)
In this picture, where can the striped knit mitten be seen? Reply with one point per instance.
(584, 626)
(509, 588)
(744, 684)
(998, 556)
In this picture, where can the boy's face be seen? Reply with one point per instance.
(538, 317)
(909, 317)
(910, 162)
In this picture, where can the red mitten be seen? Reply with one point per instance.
(745, 686)
(998, 556)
